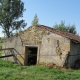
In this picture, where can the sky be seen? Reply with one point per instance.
(50, 12)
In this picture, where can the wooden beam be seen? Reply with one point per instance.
(6, 56)
(7, 49)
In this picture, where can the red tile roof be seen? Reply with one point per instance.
(61, 33)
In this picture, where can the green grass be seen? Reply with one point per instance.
(10, 71)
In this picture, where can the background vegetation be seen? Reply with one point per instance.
(11, 13)
(35, 20)
(63, 27)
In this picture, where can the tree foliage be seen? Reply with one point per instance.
(10, 12)
(63, 27)
(35, 20)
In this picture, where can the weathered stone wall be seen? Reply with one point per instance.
(13, 42)
(54, 48)
(74, 53)
(51, 47)
(31, 36)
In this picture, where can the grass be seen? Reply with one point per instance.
(10, 71)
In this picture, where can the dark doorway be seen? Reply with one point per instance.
(31, 55)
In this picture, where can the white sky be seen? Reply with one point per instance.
(1, 34)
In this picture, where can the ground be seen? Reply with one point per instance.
(10, 71)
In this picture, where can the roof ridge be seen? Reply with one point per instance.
(61, 33)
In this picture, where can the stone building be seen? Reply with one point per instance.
(41, 44)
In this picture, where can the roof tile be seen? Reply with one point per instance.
(61, 33)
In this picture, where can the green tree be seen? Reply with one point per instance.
(71, 29)
(35, 20)
(10, 13)
(4, 33)
(63, 27)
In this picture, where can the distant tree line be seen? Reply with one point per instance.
(63, 27)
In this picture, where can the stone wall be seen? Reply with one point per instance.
(51, 47)
(13, 42)
(54, 48)
(31, 36)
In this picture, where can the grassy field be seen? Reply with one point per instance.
(9, 71)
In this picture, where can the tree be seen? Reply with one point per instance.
(10, 12)
(60, 26)
(63, 27)
(4, 33)
(72, 29)
(35, 20)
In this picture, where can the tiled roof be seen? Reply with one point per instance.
(61, 33)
